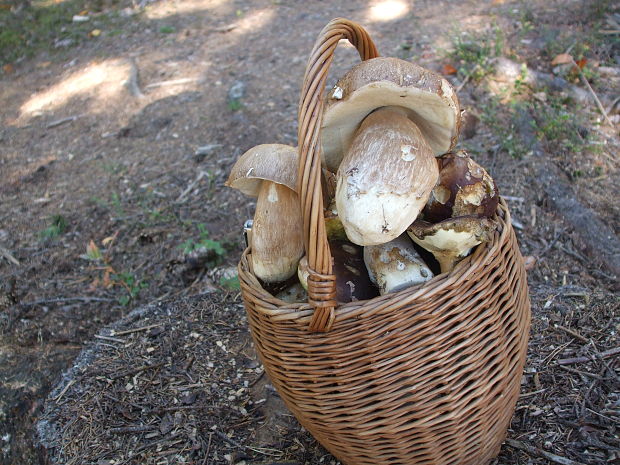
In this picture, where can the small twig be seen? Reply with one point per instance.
(131, 429)
(204, 462)
(540, 453)
(602, 355)
(583, 373)
(65, 299)
(259, 450)
(513, 199)
(136, 370)
(108, 338)
(62, 121)
(462, 84)
(598, 102)
(6, 254)
(532, 393)
(135, 330)
(572, 333)
(64, 390)
(201, 175)
(172, 82)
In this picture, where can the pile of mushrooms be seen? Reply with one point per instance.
(401, 206)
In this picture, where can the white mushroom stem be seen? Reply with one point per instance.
(277, 236)
(395, 265)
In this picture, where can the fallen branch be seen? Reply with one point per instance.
(65, 299)
(62, 121)
(6, 254)
(131, 429)
(136, 370)
(540, 453)
(573, 333)
(108, 338)
(172, 82)
(602, 355)
(583, 373)
(135, 330)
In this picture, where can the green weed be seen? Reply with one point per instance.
(473, 52)
(58, 225)
(41, 26)
(230, 283)
(235, 105)
(131, 284)
(216, 247)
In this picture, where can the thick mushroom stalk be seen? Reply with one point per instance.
(385, 178)
(269, 172)
(451, 240)
(395, 265)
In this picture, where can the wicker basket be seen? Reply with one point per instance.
(428, 375)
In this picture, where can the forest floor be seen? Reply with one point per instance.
(119, 124)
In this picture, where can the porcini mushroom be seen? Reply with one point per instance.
(427, 99)
(385, 178)
(269, 172)
(464, 188)
(451, 240)
(352, 280)
(395, 265)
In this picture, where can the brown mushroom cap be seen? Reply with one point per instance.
(271, 162)
(429, 100)
(464, 188)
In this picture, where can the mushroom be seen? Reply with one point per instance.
(395, 265)
(385, 178)
(293, 293)
(427, 99)
(452, 239)
(352, 280)
(333, 226)
(464, 188)
(269, 172)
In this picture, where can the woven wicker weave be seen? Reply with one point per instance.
(429, 375)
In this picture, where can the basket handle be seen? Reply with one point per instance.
(321, 281)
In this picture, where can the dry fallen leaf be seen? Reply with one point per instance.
(581, 63)
(562, 59)
(95, 33)
(8, 69)
(448, 69)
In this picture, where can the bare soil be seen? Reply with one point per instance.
(113, 155)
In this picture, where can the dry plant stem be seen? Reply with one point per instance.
(541, 453)
(598, 102)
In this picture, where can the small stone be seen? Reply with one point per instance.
(236, 91)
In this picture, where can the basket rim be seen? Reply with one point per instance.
(279, 310)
